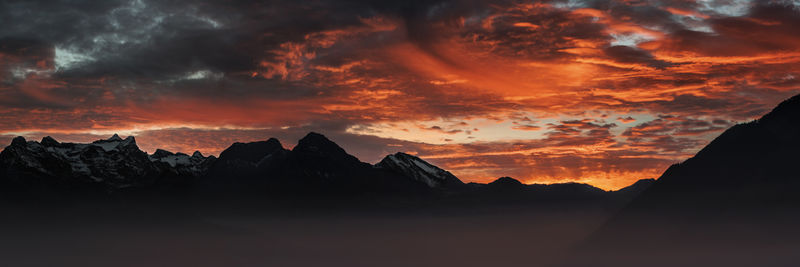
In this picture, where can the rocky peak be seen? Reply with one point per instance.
(19, 141)
(318, 144)
(320, 152)
(129, 141)
(160, 153)
(115, 137)
(251, 152)
(117, 143)
(49, 141)
(418, 169)
(506, 181)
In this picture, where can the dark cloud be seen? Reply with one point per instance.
(672, 134)
(627, 54)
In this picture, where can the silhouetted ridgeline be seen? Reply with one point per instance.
(751, 165)
(735, 203)
(315, 166)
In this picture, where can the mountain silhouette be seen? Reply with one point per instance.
(251, 152)
(637, 187)
(319, 162)
(240, 165)
(749, 165)
(101, 166)
(419, 170)
(506, 183)
(726, 206)
(510, 190)
(316, 165)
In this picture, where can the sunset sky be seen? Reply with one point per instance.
(600, 92)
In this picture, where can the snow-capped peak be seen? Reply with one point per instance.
(418, 169)
(115, 162)
(193, 163)
(115, 142)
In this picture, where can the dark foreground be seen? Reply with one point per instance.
(763, 238)
(380, 232)
(301, 233)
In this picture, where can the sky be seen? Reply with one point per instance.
(600, 92)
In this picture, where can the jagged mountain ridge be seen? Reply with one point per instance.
(103, 165)
(316, 163)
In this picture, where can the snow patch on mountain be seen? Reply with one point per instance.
(418, 169)
(115, 162)
(114, 143)
(194, 164)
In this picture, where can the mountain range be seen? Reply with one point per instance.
(315, 165)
